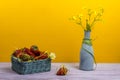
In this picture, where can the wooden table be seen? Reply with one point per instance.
(104, 71)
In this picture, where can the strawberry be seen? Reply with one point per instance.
(62, 71)
(26, 50)
(43, 55)
(59, 72)
(17, 53)
(34, 49)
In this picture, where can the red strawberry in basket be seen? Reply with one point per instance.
(43, 55)
(26, 50)
(17, 53)
(34, 49)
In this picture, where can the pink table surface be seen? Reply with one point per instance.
(104, 71)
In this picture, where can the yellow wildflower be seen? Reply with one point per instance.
(52, 55)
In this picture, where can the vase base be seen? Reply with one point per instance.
(86, 69)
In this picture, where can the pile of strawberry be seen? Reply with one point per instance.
(32, 53)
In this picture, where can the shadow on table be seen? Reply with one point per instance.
(76, 66)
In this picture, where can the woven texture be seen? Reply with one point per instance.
(31, 67)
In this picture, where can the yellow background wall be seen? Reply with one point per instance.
(46, 23)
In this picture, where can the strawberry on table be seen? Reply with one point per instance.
(62, 71)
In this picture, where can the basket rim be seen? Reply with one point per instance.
(12, 56)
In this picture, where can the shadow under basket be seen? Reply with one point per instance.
(37, 66)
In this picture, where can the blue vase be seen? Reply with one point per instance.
(86, 53)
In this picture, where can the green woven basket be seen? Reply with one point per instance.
(31, 67)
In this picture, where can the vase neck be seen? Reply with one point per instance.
(86, 34)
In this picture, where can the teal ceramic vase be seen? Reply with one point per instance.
(87, 53)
